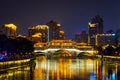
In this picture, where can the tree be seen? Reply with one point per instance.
(99, 49)
(3, 38)
(25, 45)
(10, 45)
(118, 50)
(16, 48)
(109, 51)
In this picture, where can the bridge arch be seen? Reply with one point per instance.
(84, 55)
(63, 53)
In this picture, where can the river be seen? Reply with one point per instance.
(65, 69)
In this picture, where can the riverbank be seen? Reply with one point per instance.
(13, 64)
(109, 58)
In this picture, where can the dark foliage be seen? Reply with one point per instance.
(17, 45)
(118, 50)
(99, 49)
(25, 45)
(109, 51)
(10, 45)
(3, 38)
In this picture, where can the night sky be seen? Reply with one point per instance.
(73, 15)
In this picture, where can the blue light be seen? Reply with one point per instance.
(2, 57)
(93, 76)
(106, 77)
(113, 34)
(114, 76)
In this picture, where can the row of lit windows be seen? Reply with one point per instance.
(106, 34)
(59, 44)
(44, 27)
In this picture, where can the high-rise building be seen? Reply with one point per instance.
(62, 34)
(77, 37)
(10, 30)
(54, 30)
(84, 37)
(106, 39)
(95, 28)
(81, 37)
(39, 32)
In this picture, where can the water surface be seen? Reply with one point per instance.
(65, 69)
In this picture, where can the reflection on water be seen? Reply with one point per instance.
(17, 74)
(65, 69)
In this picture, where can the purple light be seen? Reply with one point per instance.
(78, 33)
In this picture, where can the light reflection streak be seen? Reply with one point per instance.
(16, 74)
(62, 69)
(57, 69)
(66, 69)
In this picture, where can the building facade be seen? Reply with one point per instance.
(62, 44)
(106, 39)
(84, 37)
(77, 37)
(10, 30)
(39, 32)
(54, 30)
(62, 35)
(81, 37)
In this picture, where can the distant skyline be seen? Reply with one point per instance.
(73, 15)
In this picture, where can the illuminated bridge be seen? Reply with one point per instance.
(62, 46)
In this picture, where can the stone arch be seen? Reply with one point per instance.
(62, 52)
(84, 55)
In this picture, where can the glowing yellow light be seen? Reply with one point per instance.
(40, 27)
(37, 35)
(62, 32)
(92, 25)
(11, 26)
(58, 25)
